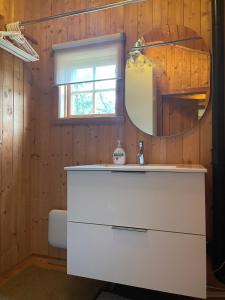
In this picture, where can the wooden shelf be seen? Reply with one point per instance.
(186, 91)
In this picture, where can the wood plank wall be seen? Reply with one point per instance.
(54, 147)
(179, 68)
(15, 88)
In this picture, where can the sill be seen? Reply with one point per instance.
(90, 121)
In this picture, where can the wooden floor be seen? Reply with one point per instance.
(216, 290)
(37, 261)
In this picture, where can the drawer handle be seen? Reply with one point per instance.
(129, 172)
(129, 228)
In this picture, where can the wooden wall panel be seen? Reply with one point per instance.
(14, 167)
(15, 90)
(179, 68)
(54, 146)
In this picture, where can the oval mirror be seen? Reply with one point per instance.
(167, 80)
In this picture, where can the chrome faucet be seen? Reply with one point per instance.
(140, 154)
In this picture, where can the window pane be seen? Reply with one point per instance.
(85, 74)
(61, 101)
(82, 104)
(105, 84)
(105, 102)
(82, 87)
(105, 72)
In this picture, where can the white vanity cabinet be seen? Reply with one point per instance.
(139, 226)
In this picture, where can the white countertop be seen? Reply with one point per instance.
(138, 168)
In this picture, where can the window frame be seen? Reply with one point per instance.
(117, 117)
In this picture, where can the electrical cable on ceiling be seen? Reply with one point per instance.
(219, 268)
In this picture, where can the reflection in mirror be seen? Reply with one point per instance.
(167, 81)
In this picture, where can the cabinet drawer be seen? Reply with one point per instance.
(154, 200)
(163, 261)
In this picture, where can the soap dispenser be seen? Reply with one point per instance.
(119, 155)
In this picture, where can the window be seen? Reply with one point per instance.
(89, 76)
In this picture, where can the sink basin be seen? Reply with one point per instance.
(138, 168)
(132, 167)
